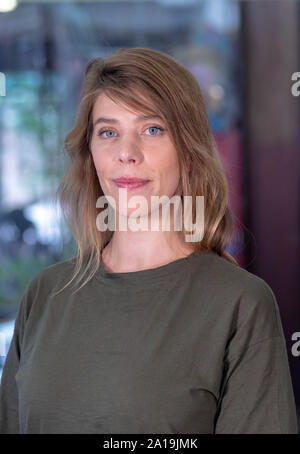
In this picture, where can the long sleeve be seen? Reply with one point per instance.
(9, 412)
(256, 392)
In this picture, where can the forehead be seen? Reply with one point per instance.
(105, 104)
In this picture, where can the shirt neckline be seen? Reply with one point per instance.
(151, 275)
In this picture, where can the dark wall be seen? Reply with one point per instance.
(270, 39)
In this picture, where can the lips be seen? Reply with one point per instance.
(130, 180)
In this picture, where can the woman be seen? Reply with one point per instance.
(165, 335)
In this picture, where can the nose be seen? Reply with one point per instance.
(125, 158)
(129, 150)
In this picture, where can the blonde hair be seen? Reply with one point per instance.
(177, 97)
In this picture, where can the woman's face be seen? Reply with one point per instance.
(130, 146)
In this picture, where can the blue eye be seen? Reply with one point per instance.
(155, 127)
(106, 130)
(110, 130)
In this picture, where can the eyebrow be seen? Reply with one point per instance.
(114, 120)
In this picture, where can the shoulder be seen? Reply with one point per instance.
(228, 277)
(48, 280)
(242, 295)
(40, 287)
(53, 275)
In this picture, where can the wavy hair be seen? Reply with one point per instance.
(176, 96)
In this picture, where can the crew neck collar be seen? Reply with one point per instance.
(150, 275)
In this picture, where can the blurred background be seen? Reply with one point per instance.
(243, 54)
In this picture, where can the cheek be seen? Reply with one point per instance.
(101, 170)
(100, 162)
(170, 170)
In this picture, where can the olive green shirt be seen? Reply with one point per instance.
(192, 347)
